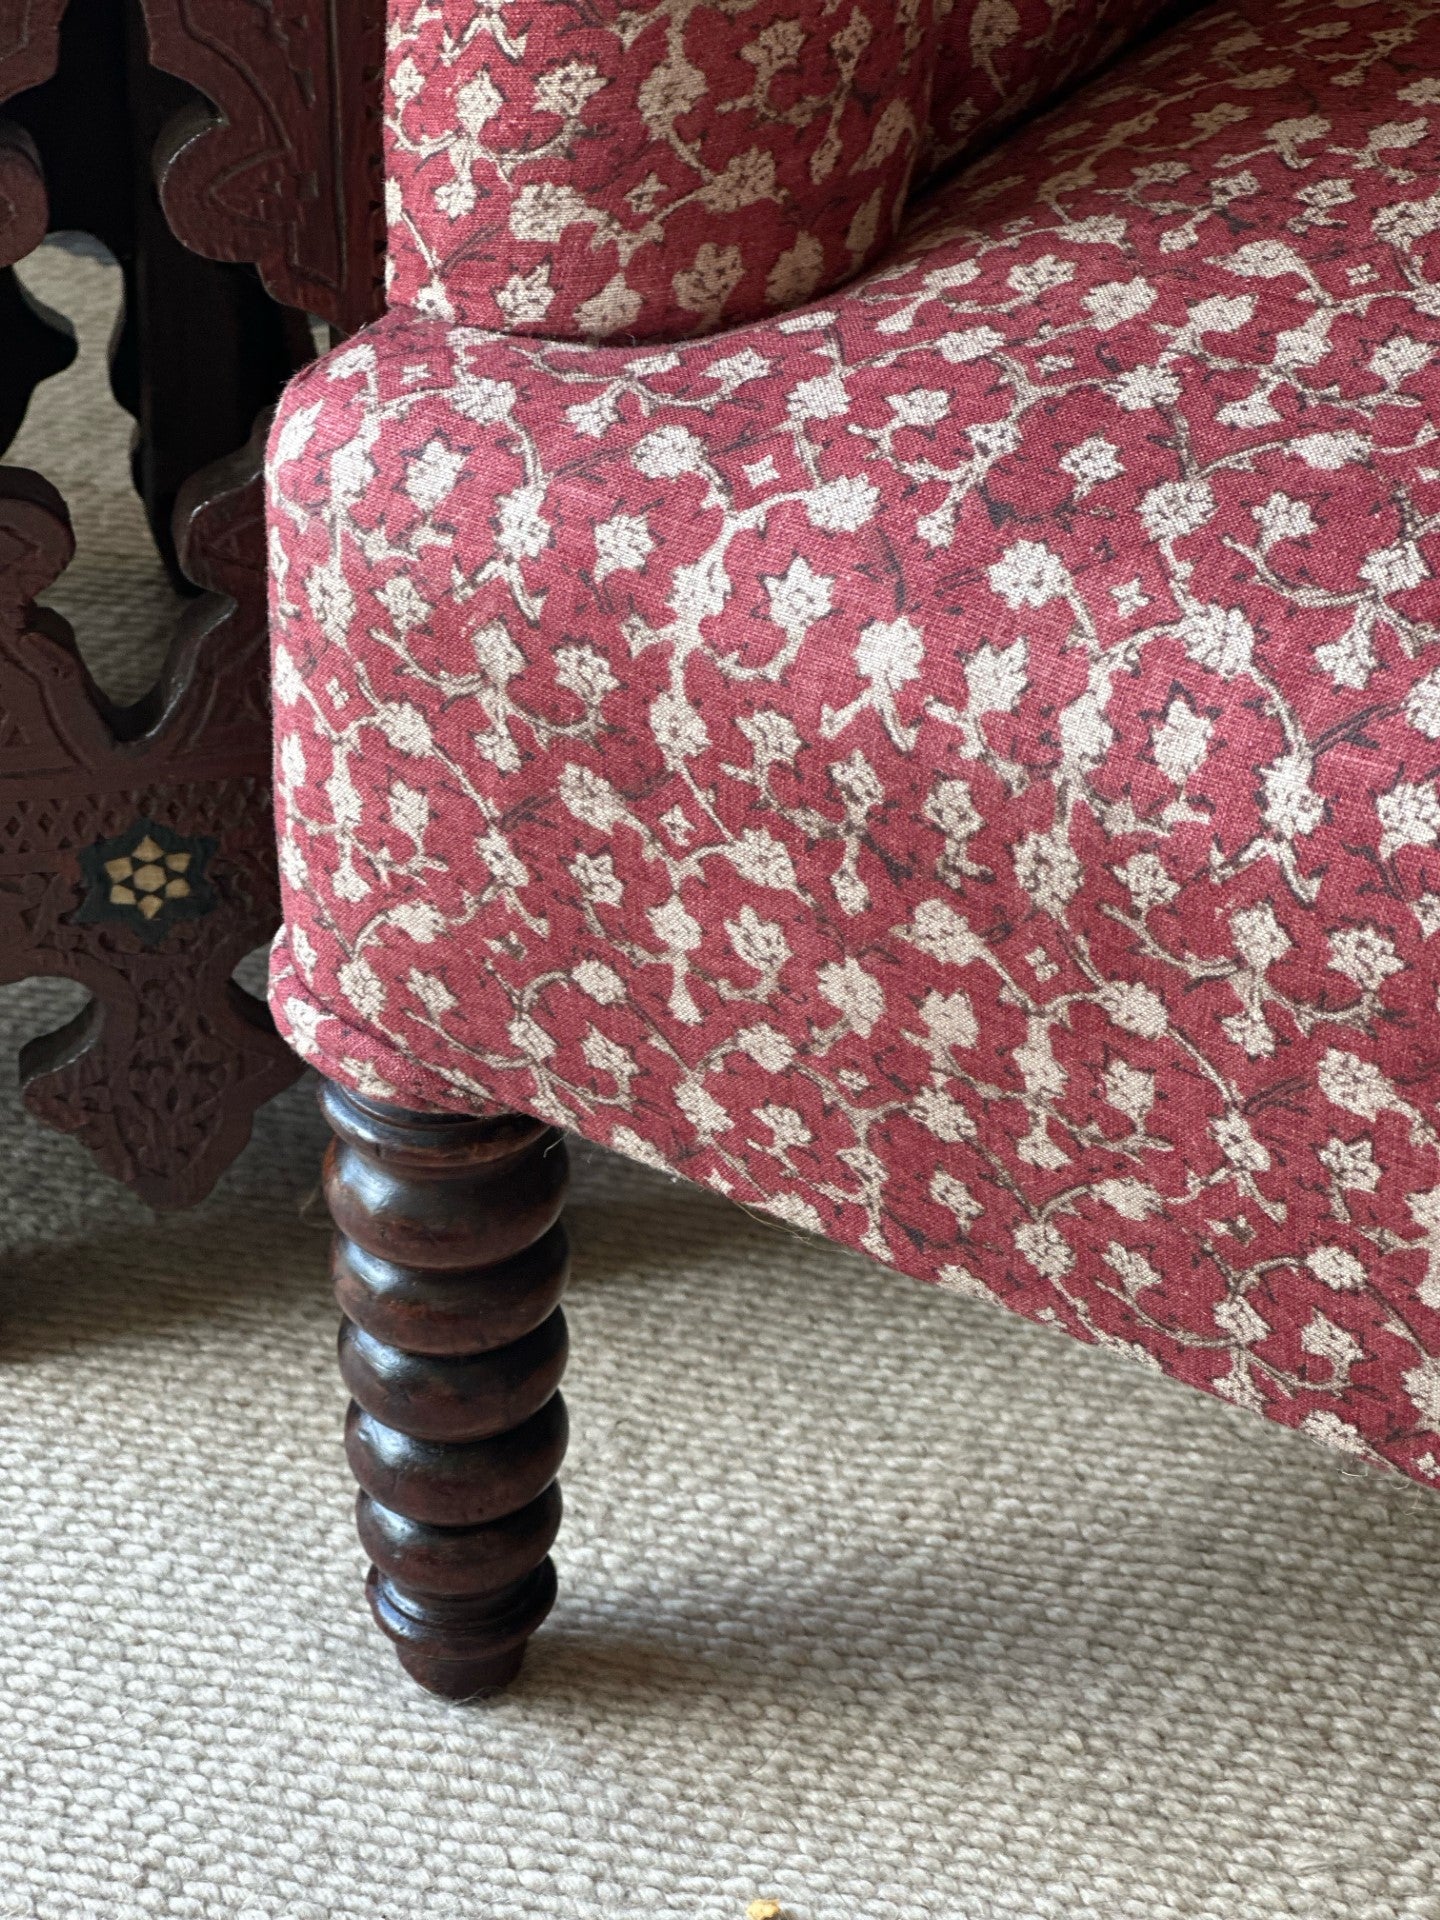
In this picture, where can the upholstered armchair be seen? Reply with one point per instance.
(880, 652)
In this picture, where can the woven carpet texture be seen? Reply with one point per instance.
(874, 1601)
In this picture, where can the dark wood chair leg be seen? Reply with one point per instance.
(449, 1265)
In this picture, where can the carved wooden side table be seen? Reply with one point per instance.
(227, 153)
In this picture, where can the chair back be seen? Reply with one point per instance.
(587, 170)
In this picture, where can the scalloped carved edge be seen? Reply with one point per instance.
(29, 43)
(285, 170)
(24, 203)
(161, 1074)
(29, 55)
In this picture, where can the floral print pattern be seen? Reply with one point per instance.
(582, 171)
(997, 58)
(956, 765)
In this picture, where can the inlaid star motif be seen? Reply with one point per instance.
(147, 877)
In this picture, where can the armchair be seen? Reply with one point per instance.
(911, 696)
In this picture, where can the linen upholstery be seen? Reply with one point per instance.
(996, 58)
(577, 170)
(586, 171)
(955, 765)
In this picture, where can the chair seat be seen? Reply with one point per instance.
(956, 765)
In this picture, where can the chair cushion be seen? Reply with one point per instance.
(955, 766)
(580, 172)
(997, 59)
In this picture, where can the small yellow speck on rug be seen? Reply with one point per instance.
(765, 1910)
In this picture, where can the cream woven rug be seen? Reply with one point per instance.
(875, 1601)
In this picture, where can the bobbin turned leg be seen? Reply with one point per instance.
(449, 1263)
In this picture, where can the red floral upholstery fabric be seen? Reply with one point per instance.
(581, 171)
(957, 766)
(997, 58)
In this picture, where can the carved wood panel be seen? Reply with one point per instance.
(29, 43)
(24, 209)
(29, 54)
(285, 170)
(136, 854)
(136, 846)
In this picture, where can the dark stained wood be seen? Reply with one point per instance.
(136, 849)
(161, 1072)
(269, 172)
(24, 208)
(37, 344)
(29, 43)
(201, 348)
(209, 346)
(449, 1265)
